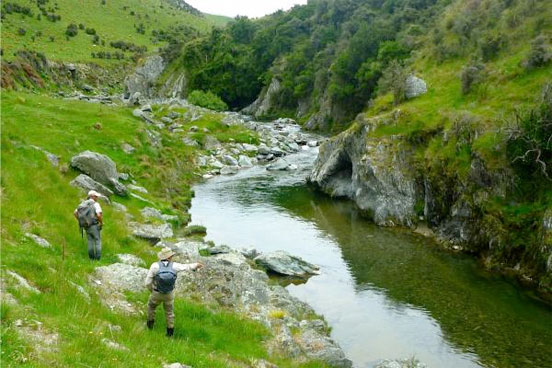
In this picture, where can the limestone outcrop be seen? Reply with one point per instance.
(375, 173)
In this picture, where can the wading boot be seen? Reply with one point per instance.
(150, 324)
(170, 331)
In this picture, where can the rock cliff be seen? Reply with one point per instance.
(395, 180)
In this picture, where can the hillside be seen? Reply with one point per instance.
(61, 309)
(144, 26)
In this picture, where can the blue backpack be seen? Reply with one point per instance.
(165, 278)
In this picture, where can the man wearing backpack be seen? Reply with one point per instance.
(160, 281)
(89, 215)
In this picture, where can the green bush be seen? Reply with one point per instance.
(207, 99)
(529, 144)
(472, 74)
(540, 53)
(72, 30)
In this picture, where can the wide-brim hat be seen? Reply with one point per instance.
(165, 253)
(93, 193)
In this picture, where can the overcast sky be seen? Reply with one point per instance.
(251, 8)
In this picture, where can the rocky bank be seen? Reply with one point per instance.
(394, 186)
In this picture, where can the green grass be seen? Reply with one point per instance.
(37, 198)
(112, 22)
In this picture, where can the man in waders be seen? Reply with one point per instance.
(90, 218)
(160, 281)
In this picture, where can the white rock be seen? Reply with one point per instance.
(244, 161)
(229, 170)
(38, 240)
(137, 188)
(23, 282)
(131, 259)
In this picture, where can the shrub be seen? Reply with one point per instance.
(21, 31)
(128, 46)
(71, 30)
(81, 26)
(394, 80)
(9, 8)
(489, 46)
(53, 17)
(529, 137)
(195, 230)
(540, 53)
(471, 75)
(207, 99)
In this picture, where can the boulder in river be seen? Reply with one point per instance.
(278, 165)
(285, 264)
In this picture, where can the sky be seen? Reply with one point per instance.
(251, 8)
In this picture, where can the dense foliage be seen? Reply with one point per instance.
(207, 99)
(339, 45)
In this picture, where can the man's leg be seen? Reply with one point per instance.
(153, 302)
(98, 243)
(91, 242)
(168, 304)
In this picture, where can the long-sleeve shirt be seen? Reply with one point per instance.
(178, 267)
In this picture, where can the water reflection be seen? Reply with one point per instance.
(386, 293)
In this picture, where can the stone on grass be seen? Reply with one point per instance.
(176, 365)
(127, 148)
(113, 345)
(155, 213)
(22, 282)
(131, 259)
(38, 240)
(137, 188)
(119, 207)
(153, 233)
(415, 87)
(119, 188)
(85, 182)
(99, 167)
(285, 264)
(190, 142)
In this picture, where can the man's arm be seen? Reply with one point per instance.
(179, 267)
(99, 213)
(149, 278)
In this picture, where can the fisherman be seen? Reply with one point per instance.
(160, 281)
(90, 218)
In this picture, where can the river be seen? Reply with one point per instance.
(386, 293)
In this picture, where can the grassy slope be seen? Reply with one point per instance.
(507, 87)
(37, 198)
(111, 22)
(218, 20)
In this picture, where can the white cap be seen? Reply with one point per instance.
(93, 193)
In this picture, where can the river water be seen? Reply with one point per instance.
(386, 293)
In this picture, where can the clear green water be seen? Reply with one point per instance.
(386, 293)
